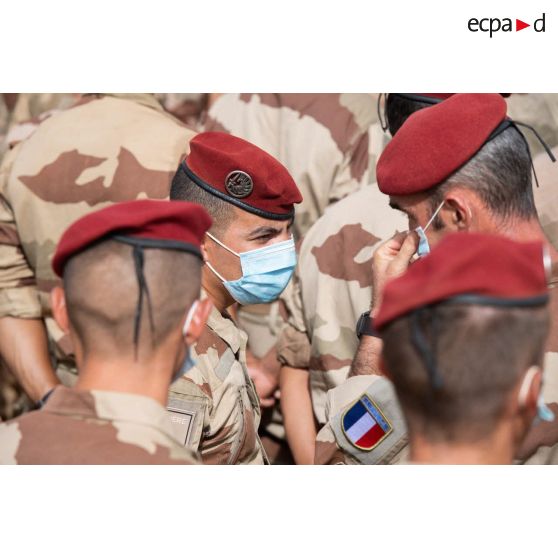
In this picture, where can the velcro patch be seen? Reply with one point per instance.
(364, 424)
(185, 419)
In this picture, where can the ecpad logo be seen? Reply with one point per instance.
(493, 25)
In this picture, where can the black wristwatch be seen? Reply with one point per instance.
(365, 326)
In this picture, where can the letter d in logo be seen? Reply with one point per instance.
(539, 25)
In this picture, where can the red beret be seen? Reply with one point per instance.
(160, 224)
(435, 142)
(242, 174)
(494, 269)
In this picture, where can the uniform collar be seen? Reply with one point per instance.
(110, 406)
(225, 328)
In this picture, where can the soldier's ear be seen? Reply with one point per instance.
(529, 389)
(458, 201)
(194, 328)
(59, 310)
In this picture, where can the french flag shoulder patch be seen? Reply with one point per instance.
(364, 424)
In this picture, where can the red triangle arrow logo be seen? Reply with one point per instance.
(519, 25)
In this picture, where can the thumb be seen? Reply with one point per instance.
(408, 248)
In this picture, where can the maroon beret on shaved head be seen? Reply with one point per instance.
(435, 142)
(242, 174)
(152, 223)
(469, 268)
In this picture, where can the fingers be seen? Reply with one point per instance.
(408, 247)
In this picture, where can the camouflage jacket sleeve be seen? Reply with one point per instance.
(365, 424)
(222, 398)
(18, 292)
(293, 345)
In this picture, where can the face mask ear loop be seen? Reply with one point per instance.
(434, 215)
(189, 318)
(526, 385)
(222, 245)
(211, 268)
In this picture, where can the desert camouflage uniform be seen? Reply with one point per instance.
(52, 179)
(104, 150)
(322, 139)
(29, 110)
(93, 427)
(215, 406)
(332, 288)
(333, 447)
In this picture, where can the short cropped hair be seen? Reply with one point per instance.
(500, 173)
(480, 354)
(183, 188)
(101, 290)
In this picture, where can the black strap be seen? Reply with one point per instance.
(426, 352)
(143, 288)
(506, 123)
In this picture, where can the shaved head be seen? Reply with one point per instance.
(101, 290)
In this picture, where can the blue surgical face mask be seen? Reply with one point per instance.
(265, 272)
(424, 246)
(188, 362)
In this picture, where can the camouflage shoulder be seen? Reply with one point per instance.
(189, 403)
(367, 421)
(215, 359)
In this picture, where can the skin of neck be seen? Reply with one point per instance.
(215, 290)
(148, 375)
(497, 448)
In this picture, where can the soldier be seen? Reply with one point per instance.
(463, 332)
(328, 142)
(130, 327)
(250, 256)
(20, 113)
(331, 288)
(105, 149)
(479, 181)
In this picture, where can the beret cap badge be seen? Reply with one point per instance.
(239, 184)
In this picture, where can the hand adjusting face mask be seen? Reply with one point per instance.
(424, 246)
(265, 272)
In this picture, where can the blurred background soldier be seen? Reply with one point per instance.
(189, 108)
(130, 327)
(463, 332)
(480, 182)
(249, 259)
(21, 113)
(331, 288)
(105, 149)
